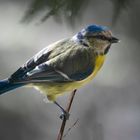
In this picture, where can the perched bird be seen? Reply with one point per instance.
(65, 65)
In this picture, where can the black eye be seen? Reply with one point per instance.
(101, 37)
(104, 38)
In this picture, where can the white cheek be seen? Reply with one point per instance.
(106, 45)
(101, 47)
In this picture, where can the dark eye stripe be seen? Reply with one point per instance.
(101, 37)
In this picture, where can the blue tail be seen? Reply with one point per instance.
(6, 85)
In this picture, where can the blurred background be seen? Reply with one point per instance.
(109, 107)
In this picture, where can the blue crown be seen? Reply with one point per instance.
(91, 29)
(96, 28)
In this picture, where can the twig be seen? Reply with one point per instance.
(70, 128)
(61, 131)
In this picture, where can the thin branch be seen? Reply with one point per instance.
(71, 128)
(62, 128)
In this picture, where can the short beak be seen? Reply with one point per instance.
(114, 40)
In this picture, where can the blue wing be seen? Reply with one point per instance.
(66, 61)
(50, 74)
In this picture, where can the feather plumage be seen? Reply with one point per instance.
(65, 65)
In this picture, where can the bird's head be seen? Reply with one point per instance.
(98, 37)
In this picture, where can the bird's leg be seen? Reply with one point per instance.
(65, 114)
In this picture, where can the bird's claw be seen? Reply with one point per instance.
(65, 115)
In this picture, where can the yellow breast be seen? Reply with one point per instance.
(98, 64)
(52, 90)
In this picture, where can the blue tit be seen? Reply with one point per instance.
(64, 65)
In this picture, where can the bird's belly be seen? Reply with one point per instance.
(52, 90)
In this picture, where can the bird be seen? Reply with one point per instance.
(65, 65)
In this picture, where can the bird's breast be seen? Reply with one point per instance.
(99, 60)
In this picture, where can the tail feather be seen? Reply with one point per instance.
(6, 85)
